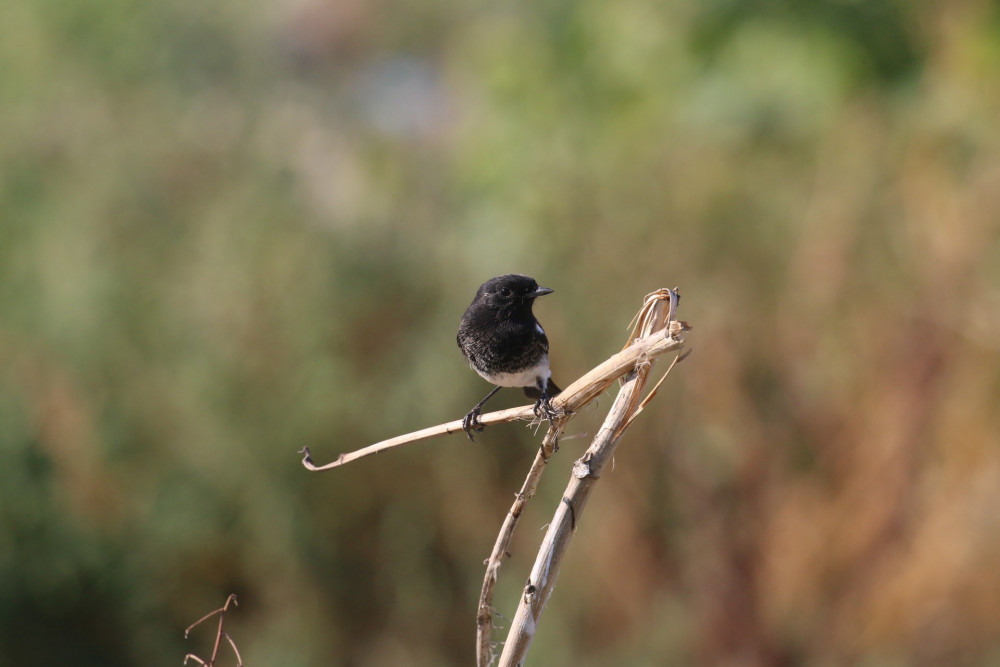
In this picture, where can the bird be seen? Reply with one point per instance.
(503, 342)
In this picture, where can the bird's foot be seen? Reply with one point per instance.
(471, 423)
(543, 409)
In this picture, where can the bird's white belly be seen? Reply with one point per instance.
(526, 378)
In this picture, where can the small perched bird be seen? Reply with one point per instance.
(505, 344)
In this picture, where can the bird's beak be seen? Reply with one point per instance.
(541, 291)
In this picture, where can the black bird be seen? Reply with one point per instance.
(505, 344)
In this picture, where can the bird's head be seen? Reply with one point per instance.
(510, 293)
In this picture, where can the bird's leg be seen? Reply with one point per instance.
(471, 421)
(543, 408)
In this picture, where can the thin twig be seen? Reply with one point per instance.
(220, 633)
(652, 392)
(239, 658)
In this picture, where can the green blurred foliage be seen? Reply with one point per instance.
(231, 230)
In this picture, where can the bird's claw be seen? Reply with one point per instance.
(543, 409)
(471, 423)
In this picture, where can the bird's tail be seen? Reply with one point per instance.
(552, 390)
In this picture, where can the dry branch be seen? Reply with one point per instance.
(572, 398)
(657, 315)
(484, 619)
(220, 634)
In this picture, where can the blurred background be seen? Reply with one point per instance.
(232, 229)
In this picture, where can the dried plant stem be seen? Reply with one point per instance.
(219, 635)
(574, 397)
(484, 620)
(656, 315)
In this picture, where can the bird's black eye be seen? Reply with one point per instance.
(504, 291)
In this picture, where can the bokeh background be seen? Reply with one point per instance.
(232, 229)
